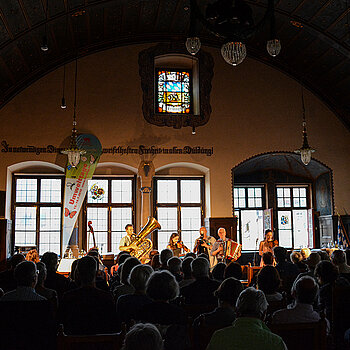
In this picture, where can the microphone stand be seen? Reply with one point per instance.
(256, 247)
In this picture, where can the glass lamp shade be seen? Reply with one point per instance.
(73, 156)
(305, 154)
(273, 47)
(193, 45)
(234, 52)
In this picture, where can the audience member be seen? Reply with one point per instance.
(311, 262)
(129, 306)
(268, 280)
(187, 272)
(233, 269)
(143, 333)
(53, 279)
(227, 295)
(119, 260)
(155, 262)
(47, 293)
(339, 260)
(165, 255)
(218, 271)
(201, 290)
(297, 259)
(324, 255)
(162, 288)
(26, 276)
(287, 271)
(7, 278)
(267, 259)
(33, 255)
(305, 252)
(328, 277)
(301, 311)
(248, 330)
(125, 287)
(87, 309)
(174, 267)
(191, 255)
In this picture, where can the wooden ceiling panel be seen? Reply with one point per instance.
(131, 17)
(329, 14)
(113, 20)
(34, 11)
(15, 63)
(148, 14)
(96, 17)
(14, 16)
(166, 12)
(4, 34)
(56, 7)
(288, 6)
(309, 9)
(61, 29)
(73, 4)
(340, 29)
(30, 52)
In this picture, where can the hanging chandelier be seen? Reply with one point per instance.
(74, 152)
(232, 21)
(305, 151)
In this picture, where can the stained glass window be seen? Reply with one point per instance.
(174, 91)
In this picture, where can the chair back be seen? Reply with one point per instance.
(201, 335)
(112, 341)
(302, 335)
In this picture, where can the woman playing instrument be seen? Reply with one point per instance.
(176, 245)
(267, 244)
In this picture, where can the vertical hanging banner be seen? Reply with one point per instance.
(76, 184)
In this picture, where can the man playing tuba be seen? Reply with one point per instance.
(125, 242)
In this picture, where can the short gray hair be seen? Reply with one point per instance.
(139, 276)
(251, 303)
(146, 334)
(200, 267)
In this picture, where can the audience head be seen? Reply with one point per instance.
(313, 259)
(155, 262)
(296, 257)
(42, 273)
(50, 259)
(26, 274)
(162, 286)
(186, 267)
(174, 265)
(267, 258)
(338, 257)
(190, 255)
(280, 254)
(165, 255)
(324, 255)
(15, 260)
(139, 276)
(203, 255)
(86, 270)
(218, 271)
(33, 255)
(200, 268)
(122, 256)
(128, 265)
(233, 269)
(268, 280)
(305, 253)
(305, 290)
(146, 334)
(72, 270)
(251, 303)
(229, 291)
(326, 272)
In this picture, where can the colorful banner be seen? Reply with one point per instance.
(76, 184)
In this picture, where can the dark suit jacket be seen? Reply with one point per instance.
(88, 310)
(201, 291)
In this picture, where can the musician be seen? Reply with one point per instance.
(176, 245)
(204, 244)
(219, 246)
(267, 244)
(127, 240)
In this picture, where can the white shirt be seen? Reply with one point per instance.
(125, 241)
(298, 313)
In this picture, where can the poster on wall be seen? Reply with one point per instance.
(268, 219)
(76, 184)
(252, 228)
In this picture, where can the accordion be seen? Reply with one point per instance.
(232, 250)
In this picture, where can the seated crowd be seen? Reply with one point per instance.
(171, 303)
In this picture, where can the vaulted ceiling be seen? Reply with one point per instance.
(315, 37)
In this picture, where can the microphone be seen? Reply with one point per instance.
(257, 240)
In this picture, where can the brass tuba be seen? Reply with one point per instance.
(141, 246)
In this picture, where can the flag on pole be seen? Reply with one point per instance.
(76, 184)
(343, 238)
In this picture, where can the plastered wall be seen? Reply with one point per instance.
(255, 109)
